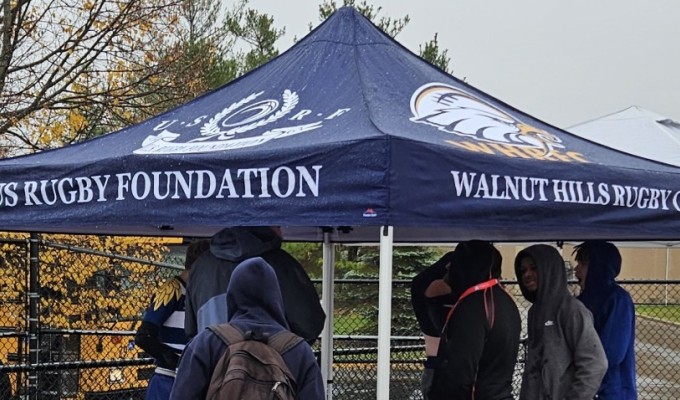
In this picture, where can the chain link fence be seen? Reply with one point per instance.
(70, 311)
(68, 323)
(657, 344)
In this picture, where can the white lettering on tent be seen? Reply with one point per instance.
(172, 182)
(196, 121)
(205, 190)
(247, 173)
(641, 197)
(580, 192)
(8, 194)
(500, 187)
(312, 182)
(276, 182)
(137, 193)
(463, 181)
(280, 182)
(526, 188)
(80, 189)
(301, 114)
(163, 143)
(228, 184)
(338, 113)
(264, 182)
(164, 125)
(138, 185)
(241, 124)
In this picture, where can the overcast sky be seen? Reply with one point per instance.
(564, 62)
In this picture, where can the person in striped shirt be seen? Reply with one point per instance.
(161, 333)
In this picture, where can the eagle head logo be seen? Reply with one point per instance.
(455, 111)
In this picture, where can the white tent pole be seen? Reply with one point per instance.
(327, 291)
(668, 254)
(384, 313)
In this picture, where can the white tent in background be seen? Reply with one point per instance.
(642, 133)
(635, 131)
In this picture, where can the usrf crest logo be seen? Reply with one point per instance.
(486, 127)
(244, 123)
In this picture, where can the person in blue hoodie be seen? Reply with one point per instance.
(255, 304)
(210, 275)
(597, 265)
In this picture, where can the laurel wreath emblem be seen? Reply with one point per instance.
(211, 130)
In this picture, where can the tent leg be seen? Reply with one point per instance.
(327, 294)
(385, 313)
(665, 291)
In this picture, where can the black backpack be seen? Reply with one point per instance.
(252, 367)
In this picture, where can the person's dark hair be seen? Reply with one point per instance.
(194, 250)
(472, 262)
(582, 252)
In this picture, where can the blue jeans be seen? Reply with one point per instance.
(159, 387)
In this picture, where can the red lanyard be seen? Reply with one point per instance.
(469, 291)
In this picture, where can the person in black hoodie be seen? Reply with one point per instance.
(206, 291)
(480, 341)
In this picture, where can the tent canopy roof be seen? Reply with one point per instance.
(345, 129)
(635, 131)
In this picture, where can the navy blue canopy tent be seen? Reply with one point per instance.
(345, 129)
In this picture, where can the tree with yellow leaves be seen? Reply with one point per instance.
(74, 69)
(86, 282)
(66, 66)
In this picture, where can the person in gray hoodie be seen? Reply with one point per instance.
(210, 275)
(564, 355)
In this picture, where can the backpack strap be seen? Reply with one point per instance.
(281, 341)
(227, 333)
(284, 341)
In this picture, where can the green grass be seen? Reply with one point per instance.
(348, 323)
(670, 313)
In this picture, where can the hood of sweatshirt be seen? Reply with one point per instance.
(550, 271)
(604, 265)
(254, 299)
(472, 262)
(239, 243)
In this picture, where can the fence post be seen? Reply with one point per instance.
(33, 304)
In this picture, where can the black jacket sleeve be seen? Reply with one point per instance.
(300, 299)
(147, 339)
(430, 312)
(190, 309)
